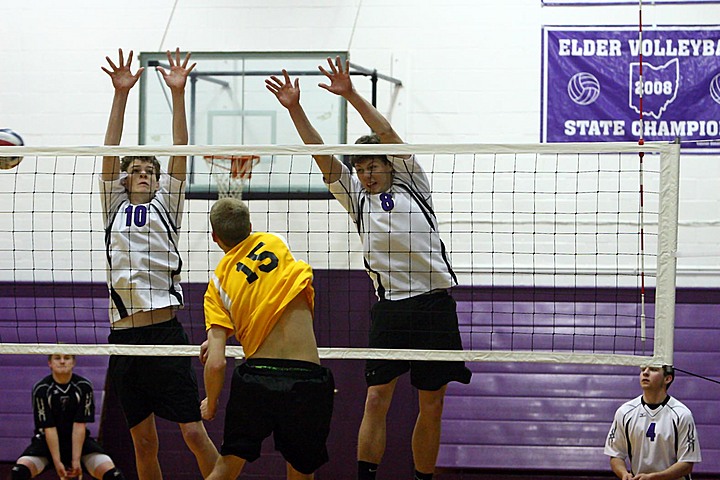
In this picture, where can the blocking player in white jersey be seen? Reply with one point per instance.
(142, 210)
(654, 431)
(391, 204)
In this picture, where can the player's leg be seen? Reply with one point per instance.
(227, 467)
(293, 474)
(199, 443)
(436, 329)
(302, 418)
(390, 324)
(177, 397)
(133, 377)
(146, 444)
(373, 428)
(101, 466)
(28, 467)
(426, 435)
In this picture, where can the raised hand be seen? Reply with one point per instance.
(176, 78)
(287, 92)
(122, 77)
(339, 75)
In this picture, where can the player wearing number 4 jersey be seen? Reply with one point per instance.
(654, 431)
(264, 297)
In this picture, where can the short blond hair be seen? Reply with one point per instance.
(230, 220)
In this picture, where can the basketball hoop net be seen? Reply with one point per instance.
(230, 172)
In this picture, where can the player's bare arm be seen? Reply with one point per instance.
(123, 81)
(341, 84)
(214, 370)
(288, 94)
(176, 79)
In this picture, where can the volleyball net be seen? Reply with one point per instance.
(564, 253)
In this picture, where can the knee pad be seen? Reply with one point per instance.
(113, 474)
(20, 472)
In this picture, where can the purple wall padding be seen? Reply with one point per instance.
(512, 417)
(530, 416)
(46, 313)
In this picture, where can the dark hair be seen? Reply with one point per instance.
(371, 139)
(230, 220)
(126, 161)
(669, 370)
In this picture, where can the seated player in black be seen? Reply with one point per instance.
(63, 404)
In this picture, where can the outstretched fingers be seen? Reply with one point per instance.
(274, 84)
(120, 72)
(339, 76)
(177, 75)
(112, 65)
(120, 56)
(121, 62)
(339, 64)
(336, 68)
(285, 90)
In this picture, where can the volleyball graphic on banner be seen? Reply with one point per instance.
(9, 138)
(715, 88)
(583, 88)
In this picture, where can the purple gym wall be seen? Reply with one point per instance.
(512, 417)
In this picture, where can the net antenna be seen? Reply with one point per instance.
(641, 212)
(231, 172)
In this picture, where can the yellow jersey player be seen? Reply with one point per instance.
(264, 297)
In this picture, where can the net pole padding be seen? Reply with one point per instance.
(667, 255)
(342, 353)
(362, 149)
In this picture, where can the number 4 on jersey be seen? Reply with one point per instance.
(651, 432)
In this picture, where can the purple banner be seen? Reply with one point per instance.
(592, 88)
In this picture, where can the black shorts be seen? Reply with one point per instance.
(290, 399)
(423, 322)
(39, 448)
(165, 386)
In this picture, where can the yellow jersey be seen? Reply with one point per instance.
(251, 287)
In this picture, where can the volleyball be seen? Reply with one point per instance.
(9, 138)
(583, 88)
(715, 88)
